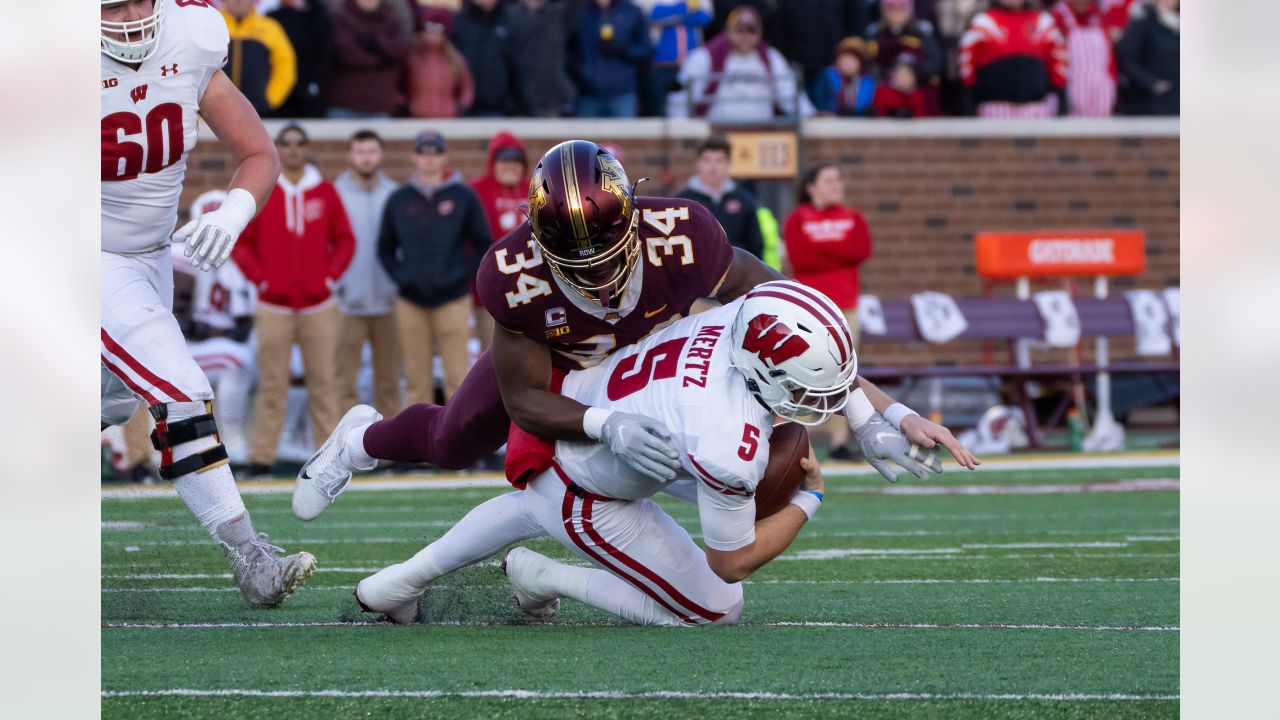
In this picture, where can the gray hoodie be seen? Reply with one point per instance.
(365, 289)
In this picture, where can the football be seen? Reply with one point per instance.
(783, 476)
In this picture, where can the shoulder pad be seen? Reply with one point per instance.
(200, 31)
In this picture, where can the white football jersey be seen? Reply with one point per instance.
(149, 125)
(681, 376)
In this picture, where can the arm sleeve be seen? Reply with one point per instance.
(466, 90)
(394, 42)
(347, 50)
(700, 17)
(389, 242)
(714, 254)
(638, 50)
(726, 511)
(1055, 50)
(972, 45)
(1127, 52)
(284, 67)
(342, 241)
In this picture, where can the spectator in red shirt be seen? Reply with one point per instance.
(502, 189)
(438, 82)
(901, 96)
(294, 252)
(826, 242)
(1013, 61)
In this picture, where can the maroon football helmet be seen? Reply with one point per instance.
(582, 211)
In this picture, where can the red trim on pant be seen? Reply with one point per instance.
(151, 400)
(698, 615)
(163, 385)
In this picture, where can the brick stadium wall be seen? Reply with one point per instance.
(924, 197)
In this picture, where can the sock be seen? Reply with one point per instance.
(353, 451)
(236, 532)
(211, 495)
(489, 527)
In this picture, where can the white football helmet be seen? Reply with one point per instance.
(136, 40)
(794, 348)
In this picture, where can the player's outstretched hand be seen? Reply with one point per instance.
(211, 237)
(644, 443)
(881, 443)
(929, 434)
(812, 474)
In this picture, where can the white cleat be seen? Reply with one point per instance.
(383, 593)
(528, 573)
(265, 579)
(328, 472)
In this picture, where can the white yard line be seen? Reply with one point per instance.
(479, 480)
(846, 625)
(536, 695)
(1055, 489)
(879, 581)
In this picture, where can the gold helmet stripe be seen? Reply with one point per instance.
(577, 217)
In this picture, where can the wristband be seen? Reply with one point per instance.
(240, 207)
(593, 421)
(808, 502)
(896, 413)
(858, 409)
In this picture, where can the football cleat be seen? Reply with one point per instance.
(328, 472)
(383, 593)
(528, 572)
(265, 579)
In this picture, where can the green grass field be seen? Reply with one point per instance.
(1026, 599)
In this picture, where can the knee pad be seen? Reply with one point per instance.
(180, 436)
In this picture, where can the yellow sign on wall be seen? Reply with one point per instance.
(763, 155)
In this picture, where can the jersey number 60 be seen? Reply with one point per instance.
(123, 158)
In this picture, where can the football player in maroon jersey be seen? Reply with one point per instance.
(594, 269)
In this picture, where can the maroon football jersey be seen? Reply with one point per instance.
(684, 255)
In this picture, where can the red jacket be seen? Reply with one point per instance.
(501, 202)
(1013, 55)
(891, 102)
(299, 243)
(825, 247)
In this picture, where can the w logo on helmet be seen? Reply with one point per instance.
(772, 341)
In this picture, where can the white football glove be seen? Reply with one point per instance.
(881, 442)
(210, 238)
(644, 443)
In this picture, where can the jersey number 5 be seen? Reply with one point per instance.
(161, 143)
(750, 442)
(632, 375)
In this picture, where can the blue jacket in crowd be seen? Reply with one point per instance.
(676, 23)
(608, 67)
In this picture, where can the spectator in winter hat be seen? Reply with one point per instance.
(438, 82)
(900, 96)
(848, 87)
(503, 190)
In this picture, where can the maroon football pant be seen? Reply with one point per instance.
(471, 426)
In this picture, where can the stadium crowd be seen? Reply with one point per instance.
(740, 60)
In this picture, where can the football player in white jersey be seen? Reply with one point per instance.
(715, 380)
(161, 67)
